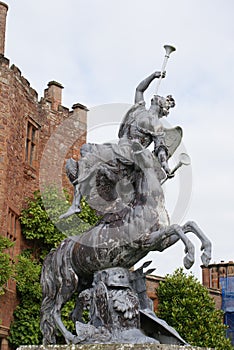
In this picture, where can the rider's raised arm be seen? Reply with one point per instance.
(144, 85)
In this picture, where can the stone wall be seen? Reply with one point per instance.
(211, 274)
(152, 283)
(113, 347)
(20, 110)
(8, 302)
(3, 15)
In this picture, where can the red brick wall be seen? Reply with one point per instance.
(211, 274)
(217, 296)
(211, 279)
(152, 283)
(18, 179)
(8, 302)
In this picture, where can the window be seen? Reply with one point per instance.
(13, 227)
(31, 140)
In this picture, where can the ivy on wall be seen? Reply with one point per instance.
(43, 231)
(6, 270)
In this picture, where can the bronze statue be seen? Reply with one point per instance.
(123, 183)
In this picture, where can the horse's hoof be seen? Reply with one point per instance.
(76, 340)
(73, 339)
(205, 258)
(188, 262)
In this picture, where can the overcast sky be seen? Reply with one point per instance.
(100, 50)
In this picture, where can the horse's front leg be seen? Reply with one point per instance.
(191, 226)
(167, 236)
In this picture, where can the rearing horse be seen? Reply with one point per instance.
(123, 182)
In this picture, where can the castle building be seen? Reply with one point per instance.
(26, 125)
(220, 277)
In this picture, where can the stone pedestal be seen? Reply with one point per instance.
(112, 347)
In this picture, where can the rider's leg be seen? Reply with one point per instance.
(75, 207)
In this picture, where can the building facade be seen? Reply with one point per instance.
(220, 277)
(26, 125)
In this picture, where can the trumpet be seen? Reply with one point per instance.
(169, 49)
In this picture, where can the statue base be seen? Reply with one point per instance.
(111, 347)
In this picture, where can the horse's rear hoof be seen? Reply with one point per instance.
(76, 340)
(205, 258)
(188, 262)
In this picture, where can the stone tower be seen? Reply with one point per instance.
(3, 15)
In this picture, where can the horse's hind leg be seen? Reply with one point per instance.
(167, 236)
(51, 313)
(191, 226)
(59, 282)
(69, 337)
(67, 284)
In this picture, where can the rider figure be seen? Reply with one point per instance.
(143, 126)
(140, 126)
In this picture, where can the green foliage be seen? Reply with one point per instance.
(28, 271)
(25, 330)
(37, 225)
(40, 220)
(186, 305)
(67, 309)
(44, 230)
(88, 215)
(26, 326)
(6, 270)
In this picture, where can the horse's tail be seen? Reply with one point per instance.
(57, 274)
(48, 301)
(47, 324)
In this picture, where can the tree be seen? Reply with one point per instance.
(185, 304)
(43, 231)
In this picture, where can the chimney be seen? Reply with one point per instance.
(3, 14)
(80, 114)
(54, 94)
(205, 276)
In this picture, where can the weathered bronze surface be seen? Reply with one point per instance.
(123, 183)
